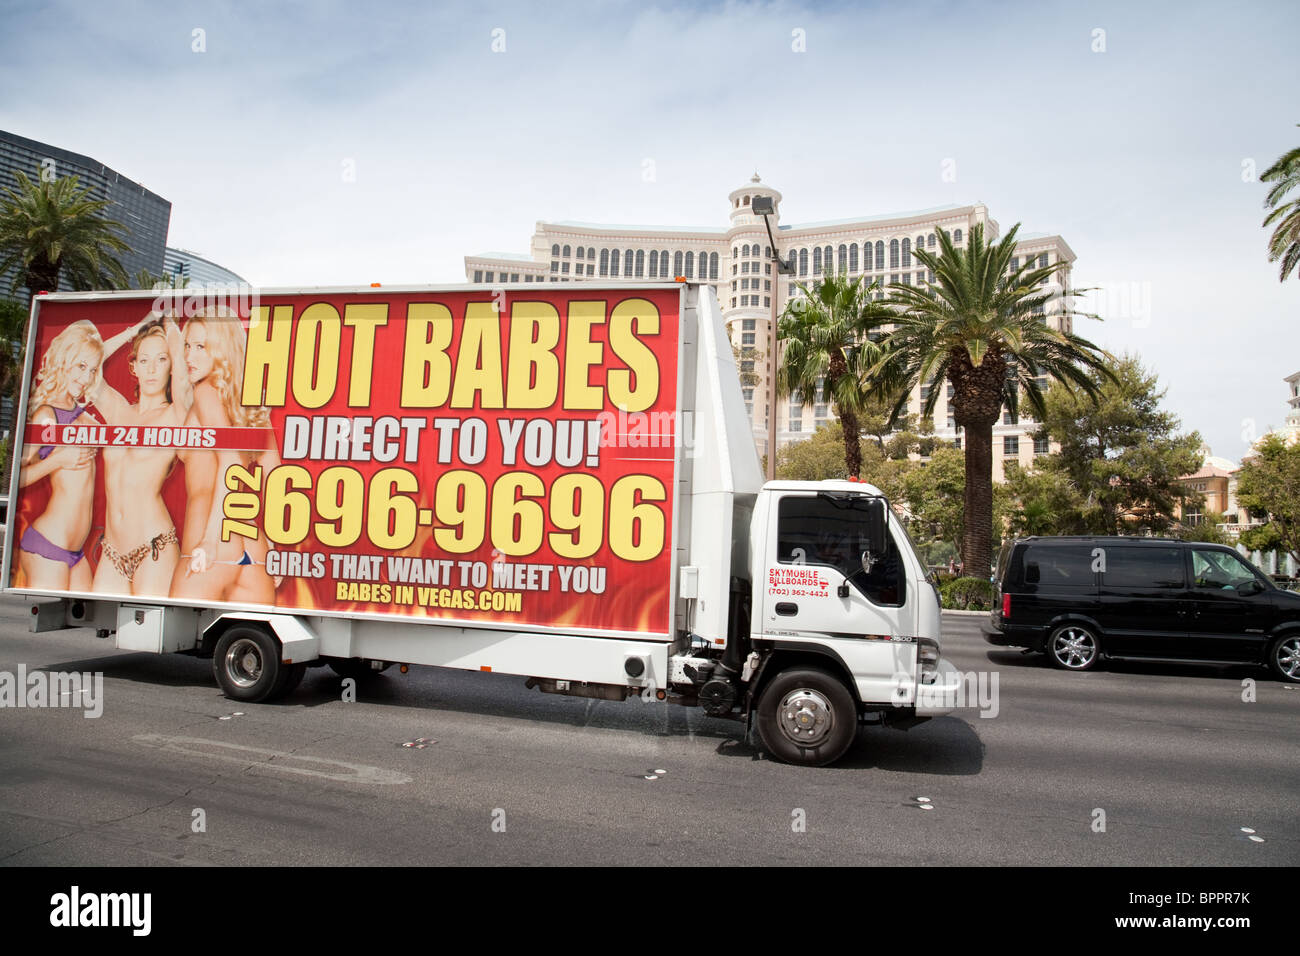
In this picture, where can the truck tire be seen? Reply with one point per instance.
(807, 716)
(1284, 657)
(356, 668)
(247, 665)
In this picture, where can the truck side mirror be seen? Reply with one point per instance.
(874, 540)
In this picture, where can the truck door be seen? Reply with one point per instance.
(814, 548)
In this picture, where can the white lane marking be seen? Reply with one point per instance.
(270, 759)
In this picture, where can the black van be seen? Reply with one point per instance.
(1083, 599)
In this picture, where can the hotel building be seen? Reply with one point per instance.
(736, 259)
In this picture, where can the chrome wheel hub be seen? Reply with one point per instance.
(806, 717)
(1074, 647)
(1288, 657)
(244, 663)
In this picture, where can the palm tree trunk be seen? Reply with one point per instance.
(977, 547)
(852, 443)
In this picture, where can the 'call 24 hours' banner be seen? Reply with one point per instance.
(449, 455)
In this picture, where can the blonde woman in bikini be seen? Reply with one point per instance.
(140, 544)
(216, 570)
(51, 553)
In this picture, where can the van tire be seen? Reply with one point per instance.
(812, 698)
(1073, 647)
(246, 663)
(1284, 657)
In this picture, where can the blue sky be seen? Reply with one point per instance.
(1138, 155)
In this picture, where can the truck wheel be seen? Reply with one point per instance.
(806, 716)
(1073, 647)
(247, 665)
(1284, 658)
(355, 668)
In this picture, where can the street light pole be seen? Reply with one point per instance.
(763, 206)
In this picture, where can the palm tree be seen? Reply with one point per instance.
(1284, 244)
(830, 338)
(52, 230)
(980, 325)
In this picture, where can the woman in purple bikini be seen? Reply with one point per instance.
(51, 552)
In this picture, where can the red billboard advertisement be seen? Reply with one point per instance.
(501, 458)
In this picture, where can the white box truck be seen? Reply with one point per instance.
(556, 481)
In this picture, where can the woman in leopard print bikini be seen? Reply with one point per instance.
(140, 545)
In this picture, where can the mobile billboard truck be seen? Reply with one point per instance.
(559, 483)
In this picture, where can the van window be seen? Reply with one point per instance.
(1219, 569)
(1068, 566)
(1143, 568)
(819, 530)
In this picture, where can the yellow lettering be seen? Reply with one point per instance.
(580, 354)
(364, 319)
(534, 377)
(628, 320)
(426, 368)
(478, 362)
(316, 355)
(266, 362)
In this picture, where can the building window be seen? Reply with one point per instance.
(842, 260)
(640, 263)
(1010, 419)
(555, 267)
(654, 263)
(663, 264)
(819, 411)
(713, 265)
(677, 264)
(1010, 445)
(930, 241)
(478, 275)
(796, 426)
(563, 268)
(893, 255)
(555, 250)
(866, 257)
(817, 260)
(567, 252)
(956, 235)
(591, 269)
(907, 253)
(1040, 446)
(1042, 261)
(853, 257)
(628, 259)
(747, 338)
(803, 262)
(604, 262)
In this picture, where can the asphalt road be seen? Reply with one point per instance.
(1171, 759)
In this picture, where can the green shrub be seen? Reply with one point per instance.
(967, 594)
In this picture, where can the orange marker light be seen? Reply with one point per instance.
(374, 285)
(485, 668)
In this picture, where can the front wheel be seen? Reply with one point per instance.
(1074, 647)
(1284, 658)
(807, 716)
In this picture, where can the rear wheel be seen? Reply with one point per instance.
(1074, 647)
(1284, 658)
(806, 716)
(247, 665)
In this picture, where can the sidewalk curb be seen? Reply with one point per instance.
(948, 610)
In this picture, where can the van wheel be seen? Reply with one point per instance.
(246, 663)
(1284, 658)
(1073, 647)
(806, 716)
